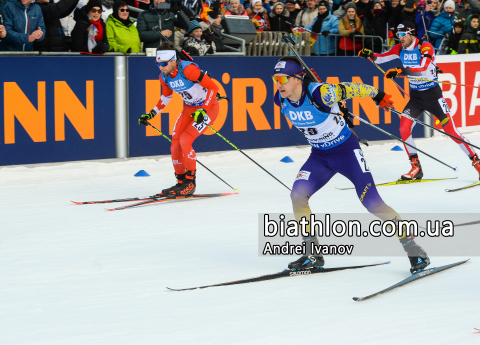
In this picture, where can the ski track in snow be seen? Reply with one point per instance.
(77, 274)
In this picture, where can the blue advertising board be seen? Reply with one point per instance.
(56, 109)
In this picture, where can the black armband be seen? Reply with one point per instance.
(427, 55)
(344, 92)
(379, 96)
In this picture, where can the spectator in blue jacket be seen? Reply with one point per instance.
(325, 23)
(3, 33)
(425, 16)
(442, 25)
(24, 24)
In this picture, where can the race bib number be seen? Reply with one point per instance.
(361, 160)
(201, 126)
(303, 175)
(444, 105)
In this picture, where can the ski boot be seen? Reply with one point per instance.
(416, 172)
(307, 262)
(417, 256)
(170, 191)
(476, 163)
(188, 185)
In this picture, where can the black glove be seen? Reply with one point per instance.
(129, 50)
(325, 33)
(97, 49)
(392, 73)
(142, 120)
(365, 53)
(351, 34)
(199, 115)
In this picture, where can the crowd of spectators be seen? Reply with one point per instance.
(339, 27)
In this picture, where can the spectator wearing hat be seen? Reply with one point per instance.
(55, 40)
(258, 14)
(375, 23)
(307, 15)
(405, 11)
(194, 44)
(302, 4)
(349, 26)
(469, 42)
(293, 11)
(455, 36)
(279, 18)
(167, 16)
(425, 17)
(24, 24)
(235, 8)
(442, 25)
(89, 33)
(325, 23)
(464, 8)
(363, 6)
(341, 11)
(122, 34)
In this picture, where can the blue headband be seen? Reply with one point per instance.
(288, 68)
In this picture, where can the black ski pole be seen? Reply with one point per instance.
(432, 127)
(163, 135)
(236, 148)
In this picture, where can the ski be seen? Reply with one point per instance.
(410, 279)
(462, 188)
(405, 182)
(284, 273)
(173, 198)
(140, 198)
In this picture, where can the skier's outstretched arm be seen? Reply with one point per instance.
(333, 93)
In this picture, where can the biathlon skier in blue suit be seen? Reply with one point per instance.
(334, 149)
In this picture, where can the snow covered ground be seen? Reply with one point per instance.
(76, 274)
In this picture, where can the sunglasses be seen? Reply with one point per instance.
(284, 79)
(403, 34)
(164, 63)
(124, 10)
(96, 11)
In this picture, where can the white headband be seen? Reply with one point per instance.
(166, 55)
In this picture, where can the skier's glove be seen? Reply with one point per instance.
(199, 115)
(383, 100)
(393, 73)
(145, 117)
(365, 53)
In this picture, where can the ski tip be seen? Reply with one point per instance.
(385, 263)
(235, 189)
(455, 169)
(109, 209)
(357, 299)
(77, 202)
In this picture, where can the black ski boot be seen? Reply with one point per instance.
(188, 185)
(307, 262)
(417, 256)
(170, 191)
